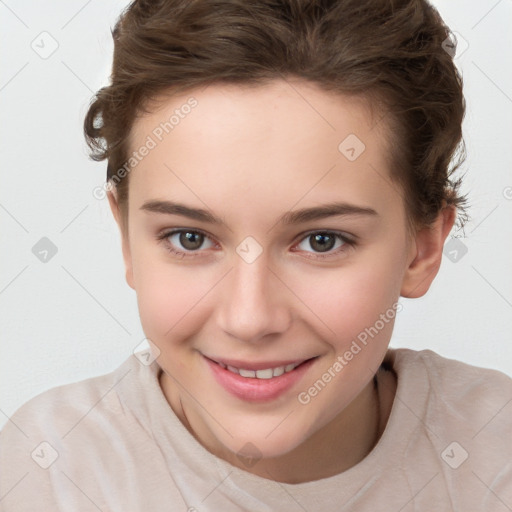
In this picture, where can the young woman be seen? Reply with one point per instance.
(280, 172)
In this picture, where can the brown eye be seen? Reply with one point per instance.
(185, 242)
(325, 243)
(322, 242)
(190, 240)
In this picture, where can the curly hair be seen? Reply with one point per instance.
(391, 52)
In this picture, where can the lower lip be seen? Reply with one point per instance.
(257, 390)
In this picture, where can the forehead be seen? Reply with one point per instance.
(280, 140)
(294, 107)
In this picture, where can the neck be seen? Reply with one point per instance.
(336, 447)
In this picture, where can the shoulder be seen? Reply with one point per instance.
(46, 433)
(54, 413)
(458, 400)
(89, 445)
(59, 405)
(456, 379)
(460, 426)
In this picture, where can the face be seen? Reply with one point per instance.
(256, 241)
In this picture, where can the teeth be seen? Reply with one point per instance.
(247, 373)
(268, 373)
(262, 374)
(278, 371)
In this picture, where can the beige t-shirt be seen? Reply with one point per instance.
(112, 443)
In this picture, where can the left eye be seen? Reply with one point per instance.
(190, 240)
(324, 241)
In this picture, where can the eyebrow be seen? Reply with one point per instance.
(289, 218)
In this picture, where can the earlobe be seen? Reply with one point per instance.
(114, 206)
(427, 253)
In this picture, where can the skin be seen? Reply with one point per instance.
(249, 155)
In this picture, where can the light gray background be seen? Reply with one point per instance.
(74, 317)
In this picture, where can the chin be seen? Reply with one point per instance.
(274, 440)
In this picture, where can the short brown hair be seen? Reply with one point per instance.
(388, 51)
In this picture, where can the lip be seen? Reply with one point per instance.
(258, 390)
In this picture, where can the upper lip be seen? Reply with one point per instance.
(252, 365)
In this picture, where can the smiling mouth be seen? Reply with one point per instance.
(262, 381)
(265, 373)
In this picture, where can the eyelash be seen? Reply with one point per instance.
(347, 242)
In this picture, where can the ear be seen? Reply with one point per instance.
(114, 206)
(426, 254)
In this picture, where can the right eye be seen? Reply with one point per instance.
(190, 240)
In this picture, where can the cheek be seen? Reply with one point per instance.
(171, 301)
(348, 300)
(359, 307)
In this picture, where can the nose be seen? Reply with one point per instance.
(253, 302)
